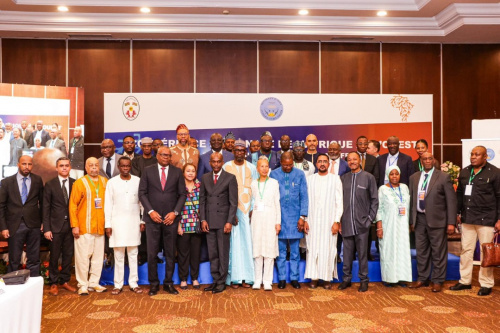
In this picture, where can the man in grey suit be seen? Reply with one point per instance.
(433, 209)
(108, 162)
(218, 205)
(55, 142)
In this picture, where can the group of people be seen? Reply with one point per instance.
(254, 208)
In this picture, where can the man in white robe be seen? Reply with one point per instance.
(123, 223)
(323, 222)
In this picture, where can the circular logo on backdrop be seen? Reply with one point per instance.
(271, 108)
(131, 108)
(491, 154)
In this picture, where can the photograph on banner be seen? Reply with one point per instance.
(38, 127)
(341, 118)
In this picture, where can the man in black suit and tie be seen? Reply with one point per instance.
(162, 192)
(403, 161)
(56, 226)
(218, 205)
(21, 197)
(433, 209)
(41, 134)
(108, 162)
(216, 142)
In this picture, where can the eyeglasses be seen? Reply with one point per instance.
(165, 155)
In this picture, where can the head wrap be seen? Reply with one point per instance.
(266, 133)
(298, 144)
(181, 126)
(146, 140)
(239, 143)
(229, 135)
(390, 168)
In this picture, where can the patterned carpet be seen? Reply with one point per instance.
(381, 309)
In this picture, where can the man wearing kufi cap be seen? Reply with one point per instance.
(229, 140)
(266, 144)
(183, 153)
(241, 266)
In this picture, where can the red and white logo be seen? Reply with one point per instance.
(131, 108)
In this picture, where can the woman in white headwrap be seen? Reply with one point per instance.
(393, 230)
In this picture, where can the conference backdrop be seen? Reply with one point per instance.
(331, 117)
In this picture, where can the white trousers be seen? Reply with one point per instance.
(133, 277)
(470, 235)
(89, 249)
(76, 173)
(268, 264)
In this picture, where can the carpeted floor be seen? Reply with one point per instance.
(381, 309)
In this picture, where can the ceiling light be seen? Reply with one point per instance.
(62, 8)
(303, 12)
(145, 10)
(381, 13)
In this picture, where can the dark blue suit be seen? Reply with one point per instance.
(274, 161)
(204, 163)
(343, 167)
(405, 164)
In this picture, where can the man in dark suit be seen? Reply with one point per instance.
(129, 147)
(26, 134)
(403, 161)
(21, 197)
(368, 162)
(41, 134)
(56, 226)
(55, 142)
(338, 166)
(216, 143)
(218, 205)
(162, 192)
(433, 214)
(266, 145)
(108, 162)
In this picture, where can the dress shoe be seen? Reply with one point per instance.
(210, 287)
(170, 289)
(402, 284)
(98, 289)
(483, 291)
(256, 285)
(183, 287)
(153, 291)
(219, 288)
(54, 291)
(436, 287)
(281, 284)
(460, 286)
(196, 285)
(268, 286)
(363, 287)
(344, 285)
(419, 284)
(313, 284)
(295, 284)
(327, 285)
(83, 291)
(68, 287)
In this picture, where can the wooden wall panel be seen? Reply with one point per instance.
(163, 66)
(288, 67)
(453, 154)
(226, 67)
(98, 67)
(5, 89)
(34, 61)
(471, 87)
(26, 90)
(348, 68)
(414, 69)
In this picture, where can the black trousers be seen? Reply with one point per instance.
(353, 244)
(432, 247)
(31, 237)
(62, 243)
(154, 232)
(218, 252)
(188, 255)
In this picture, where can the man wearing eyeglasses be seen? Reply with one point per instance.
(129, 147)
(108, 165)
(183, 153)
(266, 145)
(162, 192)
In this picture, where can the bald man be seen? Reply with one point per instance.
(311, 154)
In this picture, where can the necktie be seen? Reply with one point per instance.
(24, 193)
(215, 179)
(52, 143)
(363, 160)
(332, 170)
(163, 178)
(421, 203)
(65, 191)
(108, 167)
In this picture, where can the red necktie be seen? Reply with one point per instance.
(215, 179)
(163, 179)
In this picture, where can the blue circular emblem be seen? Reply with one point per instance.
(271, 108)
(491, 154)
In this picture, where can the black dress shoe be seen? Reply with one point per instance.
(295, 284)
(344, 285)
(170, 289)
(460, 286)
(153, 291)
(219, 288)
(281, 284)
(363, 287)
(210, 287)
(483, 291)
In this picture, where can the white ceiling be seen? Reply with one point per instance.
(449, 21)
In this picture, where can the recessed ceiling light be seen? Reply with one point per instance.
(303, 12)
(381, 13)
(62, 8)
(145, 10)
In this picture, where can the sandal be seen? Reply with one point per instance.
(116, 291)
(136, 290)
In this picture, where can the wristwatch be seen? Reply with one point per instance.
(303, 218)
(176, 213)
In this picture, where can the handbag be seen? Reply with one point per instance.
(491, 253)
